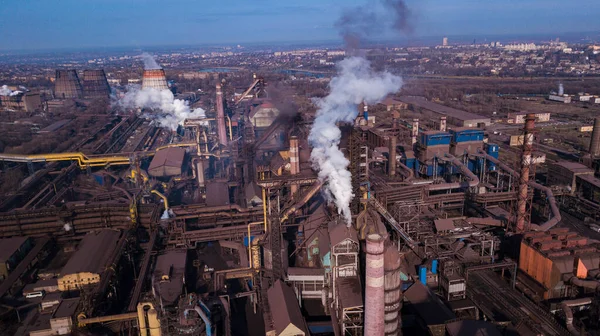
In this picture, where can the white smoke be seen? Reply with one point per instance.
(67, 227)
(149, 62)
(168, 112)
(355, 82)
(5, 91)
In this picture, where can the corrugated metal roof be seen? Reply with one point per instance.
(350, 292)
(590, 261)
(428, 306)
(8, 246)
(93, 252)
(284, 307)
(66, 308)
(172, 265)
(339, 232)
(305, 271)
(564, 264)
(444, 224)
(169, 157)
(217, 193)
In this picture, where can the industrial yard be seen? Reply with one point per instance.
(259, 197)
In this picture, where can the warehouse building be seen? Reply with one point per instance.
(89, 261)
(519, 118)
(565, 173)
(167, 162)
(454, 116)
(287, 317)
(12, 251)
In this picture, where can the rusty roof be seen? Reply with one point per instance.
(444, 224)
(350, 292)
(93, 252)
(591, 261)
(338, 232)
(285, 308)
(170, 157)
(217, 193)
(66, 308)
(428, 306)
(172, 265)
(8, 247)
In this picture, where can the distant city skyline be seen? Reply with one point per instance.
(38, 24)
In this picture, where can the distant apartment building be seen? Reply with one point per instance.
(558, 98)
(445, 42)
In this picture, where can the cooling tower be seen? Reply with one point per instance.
(155, 79)
(95, 84)
(67, 85)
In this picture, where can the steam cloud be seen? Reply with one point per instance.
(356, 82)
(5, 91)
(150, 62)
(358, 23)
(168, 111)
(67, 227)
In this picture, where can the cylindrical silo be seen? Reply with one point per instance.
(393, 291)
(374, 286)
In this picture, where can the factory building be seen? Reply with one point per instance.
(287, 317)
(519, 118)
(264, 115)
(167, 162)
(565, 173)
(12, 251)
(169, 276)
(559, 262)
(454, 116)
(67, 85)
(59, 322)
(560, 98)
(95, 84)
(85, 267)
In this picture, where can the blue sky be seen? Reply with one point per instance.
(41, 24)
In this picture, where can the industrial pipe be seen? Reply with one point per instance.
(408, 174)
(204, 318)
(309, 194)
(574, 280)
(472, 183)
(82, 160)
(164, 198)
(556, 217)
(566, 307)
(110, 318)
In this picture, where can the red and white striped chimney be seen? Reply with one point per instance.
(374, 286)
(443, 124)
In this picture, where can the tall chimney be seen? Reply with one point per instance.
(526, 161)
(374, 286)
(392, 155)
(154, 79)
(595, 142)
(294, 160)
(415, 130)
(221, 131)
(393, 291)
(366, 112)
(443, 124)
(561, 89)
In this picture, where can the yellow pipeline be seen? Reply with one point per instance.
(82, 160)
(182, 144)
(264, 195)
(164, 198)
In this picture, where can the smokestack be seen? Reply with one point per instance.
(374, 286)
(67, 85)
(392, 153)
(595, 142)
(221, 131)
(393, 291)
(415, 130)
(154, 79)
(200, 172)
(294, 161)
(443, 124)
(561, 89)
(366, 112)
(526, 162)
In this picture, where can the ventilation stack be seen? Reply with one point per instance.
(393, 291)
(154, 79)
(95, 84)
(443, 124)
(294, 160)
(415, 130)
(595, 142)
(374, 286)
(67, 85)
(526, 162)
(392, 153)
(221, 131)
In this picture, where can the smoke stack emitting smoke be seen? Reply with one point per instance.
(169, 112)
(355, 82)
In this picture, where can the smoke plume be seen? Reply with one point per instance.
(149, 62)
(5, 91)
(355, 82)
(374, 18)
(67, 227)
(167, 111)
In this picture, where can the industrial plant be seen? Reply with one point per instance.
(224, 212)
